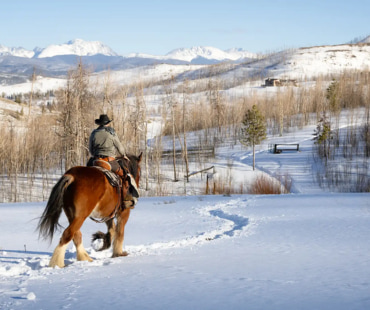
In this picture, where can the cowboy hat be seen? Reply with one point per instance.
(103, 120)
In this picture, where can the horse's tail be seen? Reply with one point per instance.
(48, 223)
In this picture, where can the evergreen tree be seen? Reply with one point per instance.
(253, 131)
(332, 95)
(18, 99)
(322, 136)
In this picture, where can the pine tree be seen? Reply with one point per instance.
(254, 130)
(322, 136)
(332, 95)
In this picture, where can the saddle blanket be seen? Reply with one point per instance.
(114, 180)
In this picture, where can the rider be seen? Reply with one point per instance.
(104, 144)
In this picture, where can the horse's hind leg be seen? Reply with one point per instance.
(58, 256)
(59, 253)
(81, 252)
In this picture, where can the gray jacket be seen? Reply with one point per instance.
(104, 142)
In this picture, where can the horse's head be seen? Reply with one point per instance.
(132, 166)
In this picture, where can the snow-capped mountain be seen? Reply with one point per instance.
(200, 54)
(15, 51)
(240, 53)
(77, 47)
(17, 64)
(366, 40)
(210, 53)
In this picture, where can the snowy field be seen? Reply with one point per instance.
(306, 250)
(201, 252)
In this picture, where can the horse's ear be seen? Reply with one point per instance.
(140, 156)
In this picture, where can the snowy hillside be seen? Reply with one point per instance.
(322, 60)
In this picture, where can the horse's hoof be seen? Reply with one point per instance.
(57, 266)
(124, 253)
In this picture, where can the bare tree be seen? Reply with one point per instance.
(77, 108)
(185, 100)
(216, 102)
(30, 99)
(171, 104)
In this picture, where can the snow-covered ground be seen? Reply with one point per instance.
(201, 252)
(306, 250)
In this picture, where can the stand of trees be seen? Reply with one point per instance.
(55, 140)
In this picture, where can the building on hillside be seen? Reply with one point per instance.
(280, 82)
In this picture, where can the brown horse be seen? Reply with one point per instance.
(84, 192)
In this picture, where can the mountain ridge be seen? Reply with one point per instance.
(304, 61)
(80, 47)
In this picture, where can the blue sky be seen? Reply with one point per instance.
(159, 26)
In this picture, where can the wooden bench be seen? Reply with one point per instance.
(204, 151)
(278, 148)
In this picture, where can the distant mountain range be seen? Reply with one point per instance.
(18, 64)
(80, 47)
(76, 47)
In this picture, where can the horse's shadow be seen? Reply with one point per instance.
(23, 252)
(25, 256)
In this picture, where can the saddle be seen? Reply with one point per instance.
(112, 177)
(109, 163)
(99, 162)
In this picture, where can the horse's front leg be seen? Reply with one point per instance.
(122, 218)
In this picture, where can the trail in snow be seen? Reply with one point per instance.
(230, 225)
(33, 264)
(17, 268)
(239, 222)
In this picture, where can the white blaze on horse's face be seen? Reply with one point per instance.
(134, 191)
